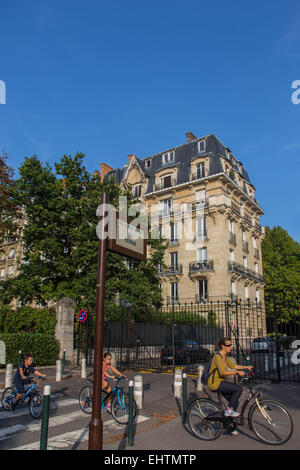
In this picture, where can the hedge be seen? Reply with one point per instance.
(27, 319)
(44, 348)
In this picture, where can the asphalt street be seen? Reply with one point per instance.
(159, 425)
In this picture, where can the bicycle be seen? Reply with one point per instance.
(119, 401)
(270, 421)
(33, 395)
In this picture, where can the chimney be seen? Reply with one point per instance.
(130, 157)
(190, 136)
(104, 169)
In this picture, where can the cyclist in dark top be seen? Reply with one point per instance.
(21, 377)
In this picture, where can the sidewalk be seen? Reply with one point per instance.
(70, 373)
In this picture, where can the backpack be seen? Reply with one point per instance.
(205, 376)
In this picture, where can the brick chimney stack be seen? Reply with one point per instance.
(190, 136)
(104, 169)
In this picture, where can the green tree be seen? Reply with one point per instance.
(60, 242)
(9, 209)
(281, 266)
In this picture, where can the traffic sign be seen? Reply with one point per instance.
(82, 316)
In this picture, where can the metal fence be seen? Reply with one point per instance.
(186, 335)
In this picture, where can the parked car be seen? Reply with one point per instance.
(186, 352)
(263, 344)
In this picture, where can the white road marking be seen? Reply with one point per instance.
(72, 438)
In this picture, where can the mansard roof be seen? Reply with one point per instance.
(184, 154)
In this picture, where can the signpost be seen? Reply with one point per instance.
(131, 247)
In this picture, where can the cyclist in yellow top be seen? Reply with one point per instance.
(218, 373)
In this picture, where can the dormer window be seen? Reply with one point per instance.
(148, 163)
(168, 157)
(201, 146)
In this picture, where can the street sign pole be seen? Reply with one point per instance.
(96, 425)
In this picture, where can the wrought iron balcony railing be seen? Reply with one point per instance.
(196, 266)
(244, 271)
(175, 269)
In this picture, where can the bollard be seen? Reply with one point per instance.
(184, 396)
(58, 370)
(8, 375)
(177, 383)
(130, 414)
(45, 417)
(199, 383)
(138, 391)
(267, 363)
(63, 362)
(83, 368)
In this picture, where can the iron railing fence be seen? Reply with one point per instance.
(186, 335)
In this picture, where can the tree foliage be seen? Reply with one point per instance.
(60, 245)
(281, 266)
(9, 210)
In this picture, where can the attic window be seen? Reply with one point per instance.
(148, 163)
(168, 157)
(201, 146)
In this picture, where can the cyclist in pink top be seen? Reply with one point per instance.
(106, 365)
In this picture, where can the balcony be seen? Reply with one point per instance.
(236, 209)
(244, 271)
(173, 270)
(232, 238)
(200, 266)
(197, 175)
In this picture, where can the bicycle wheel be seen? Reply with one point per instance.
(197, 414)
(7, 397)
(120, 408)
(271, 422)
(86, 399)
(36, 405)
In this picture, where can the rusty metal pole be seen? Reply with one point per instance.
(96, 425)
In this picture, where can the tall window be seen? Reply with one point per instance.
(136, 190)
(246, 293)
(201, 170)
(174, 292)
(2, 274)
(233, 289)
(202, 255)
(10, 271)
(174, 235)
(201, 146)
(11, 254)
(245, 262)
(202, 290)
(165, 182)
(166, 206)
(174, 260)
(201, 227)
(231, 256)
(200, 197)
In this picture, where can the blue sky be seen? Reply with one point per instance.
(114, 78)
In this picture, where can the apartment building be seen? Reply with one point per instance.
(200, 197)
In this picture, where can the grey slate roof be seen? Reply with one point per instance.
(215, 150)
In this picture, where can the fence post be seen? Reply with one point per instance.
(130, 414)
(58, 370)
(8, 375)
(177, 383)
(45, 417)
(138, 391)
(184, 393)
(83, 368)
(199, 383)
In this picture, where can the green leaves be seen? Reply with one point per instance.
(60, 242)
